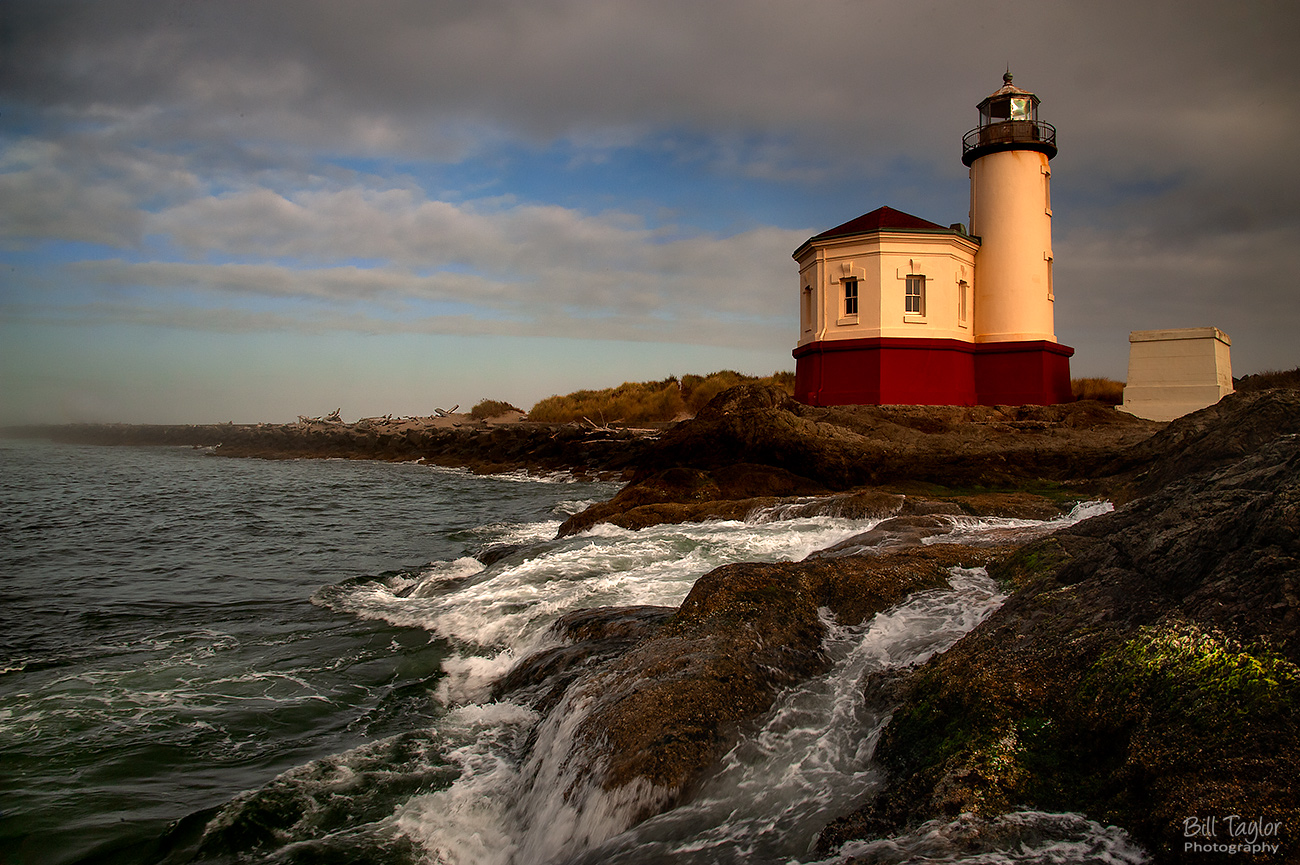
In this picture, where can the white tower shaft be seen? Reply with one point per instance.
(1011, 213)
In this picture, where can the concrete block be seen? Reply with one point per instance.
(1174, 372)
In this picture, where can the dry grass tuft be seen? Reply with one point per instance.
(1105, 390)
(1288, 379)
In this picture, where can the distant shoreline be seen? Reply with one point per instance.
(485, 447)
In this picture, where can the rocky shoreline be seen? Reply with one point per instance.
(1144, 671)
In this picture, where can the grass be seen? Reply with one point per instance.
(674, 397)
(1288, 379)
(1105, 390)
(649, 401)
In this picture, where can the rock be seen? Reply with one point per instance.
(1146, 669)
(891, 533)
(684, 494)
(753, 447)
(660, 713)
(1213, 437)
(490, 555)
(593, 637)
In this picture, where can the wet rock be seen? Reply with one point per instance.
(1146, 669)
(593, 637)
(1213, 437)
(891, 533)
(495, 553)
(686, 494)
(661, 712)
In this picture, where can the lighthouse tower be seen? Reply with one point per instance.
(1009, 157)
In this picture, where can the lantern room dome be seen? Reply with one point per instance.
(1008, 121)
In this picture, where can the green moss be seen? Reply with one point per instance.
(1202, 678)
(1029, 563)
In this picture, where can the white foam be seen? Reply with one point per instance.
(469, 823)
(509, 603)
(469, 679)
(809, 759)
(1017, 838)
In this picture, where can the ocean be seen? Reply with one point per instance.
(214, 660)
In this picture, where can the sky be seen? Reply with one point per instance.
(249, 210)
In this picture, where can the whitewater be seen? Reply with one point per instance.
(220, 660)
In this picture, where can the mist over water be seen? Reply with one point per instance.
(240, 660)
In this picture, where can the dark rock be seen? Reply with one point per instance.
(495, 553)
(663, 710)
(595, 635)
(684, 494)
(1145, 670)
(753, 447)
(628, 624)
(1219, 435)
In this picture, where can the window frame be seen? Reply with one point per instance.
(851, 296)
(917, 281)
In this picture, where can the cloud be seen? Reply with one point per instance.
(509, 167)
(382, 75)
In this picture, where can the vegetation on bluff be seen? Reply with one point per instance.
(1105, 390)
(490, 408)
(649, 401)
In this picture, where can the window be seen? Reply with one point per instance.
(961, 302)
(915, 304)
(850, 297)
(807, 307)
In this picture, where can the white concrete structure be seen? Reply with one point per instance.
(1175, 372)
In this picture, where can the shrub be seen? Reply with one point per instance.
(489, 408)
(1105, 390)
(1288, 379)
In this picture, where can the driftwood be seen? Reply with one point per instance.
(332, 417)
(444, 413)
(609, 427)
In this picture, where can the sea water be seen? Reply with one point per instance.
(215, 660)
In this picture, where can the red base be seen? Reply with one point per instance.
(893, 371)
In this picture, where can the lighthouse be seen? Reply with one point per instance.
(1009, 157)
(895, 309)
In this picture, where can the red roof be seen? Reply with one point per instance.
(882, 218)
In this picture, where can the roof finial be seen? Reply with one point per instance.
(1006, 76)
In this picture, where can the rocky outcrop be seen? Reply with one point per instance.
(1147, 667)
(754, 447)
(662, 708)
(1213, 437)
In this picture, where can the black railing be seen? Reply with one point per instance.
(1010, 132)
